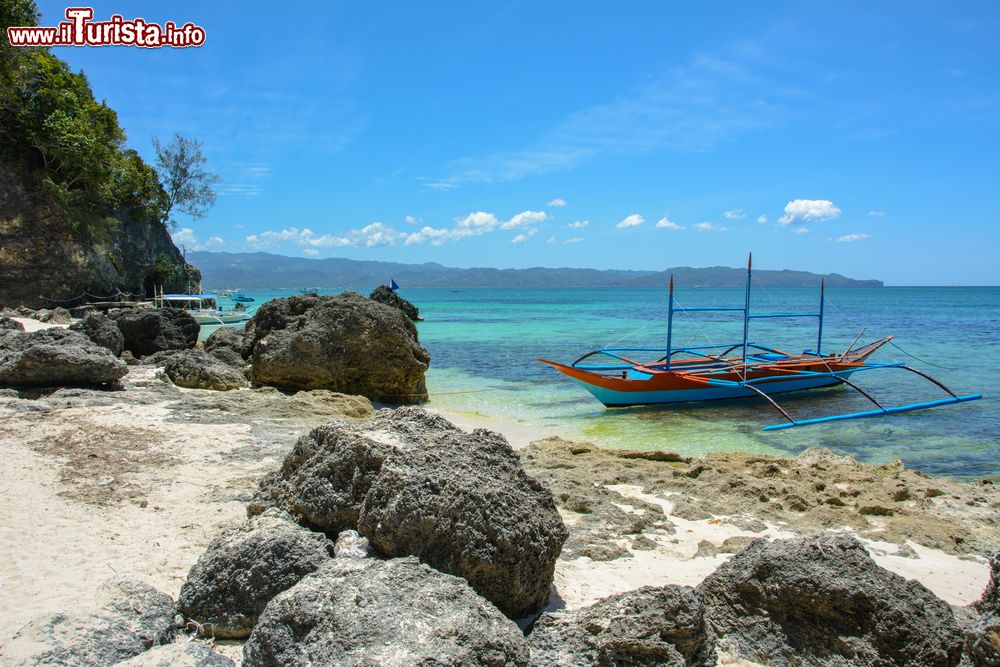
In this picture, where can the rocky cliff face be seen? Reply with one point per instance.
(42, 255)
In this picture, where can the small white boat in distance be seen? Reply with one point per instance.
(203, 308)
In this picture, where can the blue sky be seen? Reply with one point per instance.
(856, 137)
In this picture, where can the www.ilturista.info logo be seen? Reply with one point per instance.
(80, 30)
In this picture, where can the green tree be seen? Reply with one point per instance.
(189, 188)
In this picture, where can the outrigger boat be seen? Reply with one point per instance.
(202, 307)
(714, 372)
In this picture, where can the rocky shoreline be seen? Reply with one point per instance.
(630, 558)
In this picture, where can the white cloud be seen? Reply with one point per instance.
(552, 240)
(579, 224)
(475, 224)
(269, 239)
(186, 237)
(378, 234)
(521, 238)
(434, 236)
(801, 211)
(762, 219)
(876, 214)
(709, 227)
(633, 220)
(800, 230)
(525, 219)
(735, 214)
(850, 238)
(312, 252)
(557, 202)
(665, 223)
(575, 239)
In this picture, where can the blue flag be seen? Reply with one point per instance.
(392, 285)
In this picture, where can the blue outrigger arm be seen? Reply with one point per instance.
(876, 413)
(882, 410)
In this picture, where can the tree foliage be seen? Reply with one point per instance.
(189, 188)
(64, 142)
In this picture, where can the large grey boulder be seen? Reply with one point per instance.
(196, 369)
(822, 600)
(56, 357)
(182, 654)
(649, 626)
(226, 345)
(415, 484)
(58, 315)
(149, 330)
(384, 294)
(101, 330)
(131, 618)
(8, 324)
(982, 634)
(345, 343)
(246, 566)
(989, 602)
(224, 337)
(397, 613)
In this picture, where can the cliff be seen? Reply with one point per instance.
(43, 255)
(80, 212)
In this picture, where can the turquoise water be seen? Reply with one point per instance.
(484, 342)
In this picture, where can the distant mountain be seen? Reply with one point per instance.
(261, 270)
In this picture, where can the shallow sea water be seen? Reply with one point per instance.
(484, 342)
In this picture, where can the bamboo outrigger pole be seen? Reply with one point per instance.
(670, 320)
(746, 314)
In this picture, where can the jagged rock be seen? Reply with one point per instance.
(55, 357)
(226, 345)
(47, 254)
(990, 600)
(196, 369)
(344, 343)
(8, 324)
(982, 641)
(384, 294)
(157, 358)
(149, 613)
(132, 618)
(415, 484)
(101, 330)
(186, 654)
(246, 566)
(397, 613)
(822, 600)
(149, 330)
(59, 315)
(648, 626)
(224, 337)
(982, 634)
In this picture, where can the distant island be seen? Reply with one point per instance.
(261, 270)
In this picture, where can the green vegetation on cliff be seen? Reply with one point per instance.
(80, 212)
(64, 143)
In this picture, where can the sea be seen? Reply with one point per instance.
(484, 345)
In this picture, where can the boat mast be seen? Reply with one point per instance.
(670, 320)
(746, 312)
(819, 337)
